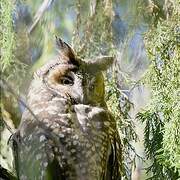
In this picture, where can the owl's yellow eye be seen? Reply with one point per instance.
(67, 80)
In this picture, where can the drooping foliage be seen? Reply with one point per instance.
(10, 63)
(162, 116)
(7, 35)
(7, 69)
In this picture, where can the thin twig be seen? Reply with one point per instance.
(4, 84)
(39, 14)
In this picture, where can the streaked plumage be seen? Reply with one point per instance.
(70, 134)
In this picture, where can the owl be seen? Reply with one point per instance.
(66, 131)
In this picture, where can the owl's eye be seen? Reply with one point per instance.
(67, 80)
(92, 87)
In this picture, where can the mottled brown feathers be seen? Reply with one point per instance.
(71, 134)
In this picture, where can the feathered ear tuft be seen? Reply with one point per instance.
(101, 63)
(66, 53)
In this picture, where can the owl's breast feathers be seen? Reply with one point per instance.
(79, 140)
(79, 137)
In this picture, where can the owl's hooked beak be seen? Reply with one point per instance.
(78, 99)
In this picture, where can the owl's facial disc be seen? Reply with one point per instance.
(65, 81)
(61, 75)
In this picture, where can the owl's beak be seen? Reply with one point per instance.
(81, 98)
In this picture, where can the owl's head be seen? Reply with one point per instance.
(70, 77)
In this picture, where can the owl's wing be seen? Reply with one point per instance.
(34, 153)
(114, 166)
(5, 174)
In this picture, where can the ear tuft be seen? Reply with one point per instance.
(101, 63)
(65, 50)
